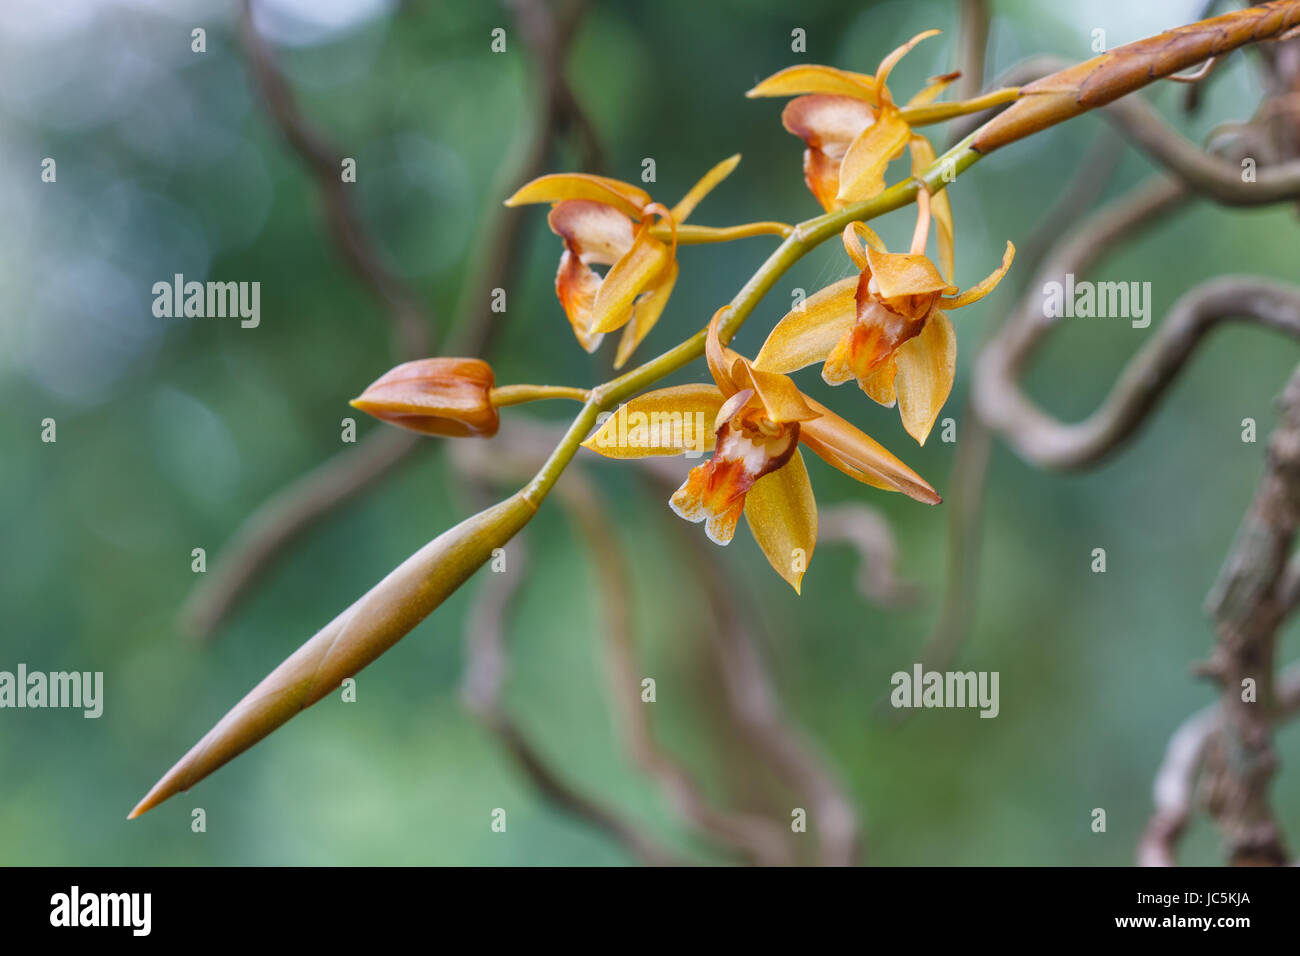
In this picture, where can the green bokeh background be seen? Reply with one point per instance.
(171, 430)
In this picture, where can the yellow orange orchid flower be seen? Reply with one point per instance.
(607, 222)
(884, 327)
(849, 122)
(756, 421)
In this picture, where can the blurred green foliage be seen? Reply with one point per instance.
(171, 431)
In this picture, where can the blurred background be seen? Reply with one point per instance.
(172, 431)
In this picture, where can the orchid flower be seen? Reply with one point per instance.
(608, 222)
(758, 419)
(884, 327)
(849, 122)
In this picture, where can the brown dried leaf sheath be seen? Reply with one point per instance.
(1106, 78)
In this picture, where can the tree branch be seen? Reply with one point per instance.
(1248, 614)
(1048, 443)
(973, 40)
(994, 391)
(324, 162)
(1174, 791)
(867, 531)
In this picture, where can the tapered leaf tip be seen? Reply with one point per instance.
(161, 791)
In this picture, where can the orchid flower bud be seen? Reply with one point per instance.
(435, 396)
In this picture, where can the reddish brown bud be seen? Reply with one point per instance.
(437, 396)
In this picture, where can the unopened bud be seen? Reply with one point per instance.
(377, 621)
(436, 396)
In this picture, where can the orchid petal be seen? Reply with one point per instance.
(813, 78)
(828, 123)
(865, 353)
(934, 88)
(781, 398)
(714, 493)
(628, 278)
(821, 175)
(869, 237)
(676, 420)
(990, 282)
(600, 232)
(645, 313)
(702, 188)
(904, 273)
(722, 360)
(731, 406)
(854, 248)
(592, 232)
(927, 364)
(560, 186)
(808, 333)
(838, 367)
(782, 514)
(879, 383)
(855, 236)
(860, 456)
(889, 62)
(576, 286)
(862, 171)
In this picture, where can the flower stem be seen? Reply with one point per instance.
(518, 394)
(939, 112)
(697, 235)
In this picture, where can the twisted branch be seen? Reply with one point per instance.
(323, 161)
(1174, 791)
(1049, 443)
(995, 393)
(867, 531)
(1232, 741)
(1175, 788)
(1248, 614)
